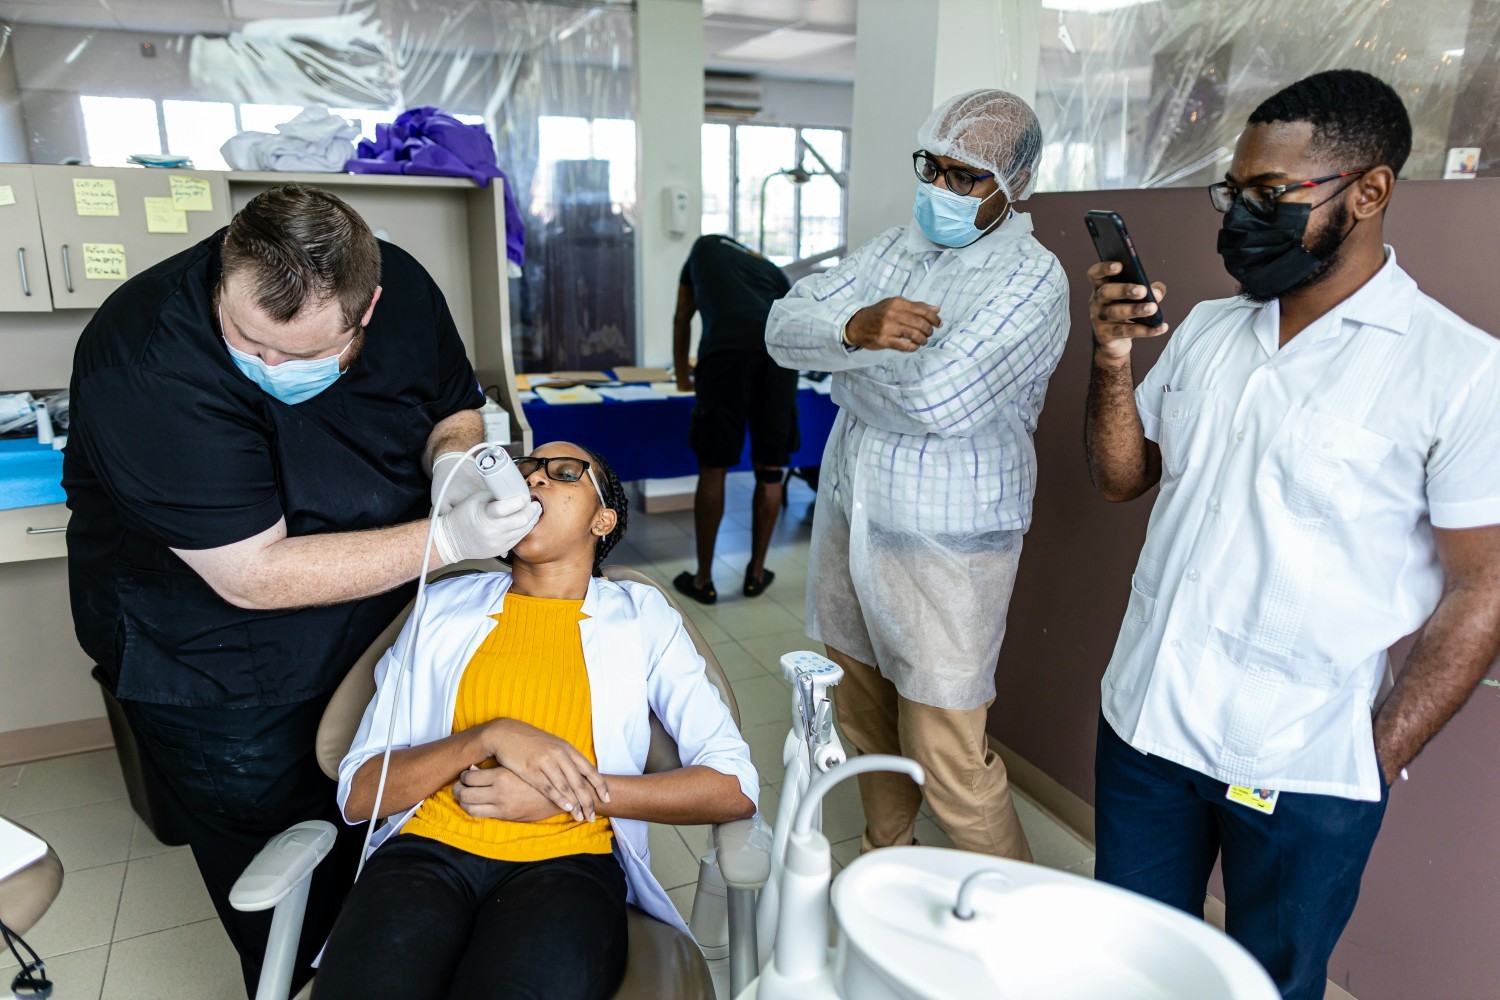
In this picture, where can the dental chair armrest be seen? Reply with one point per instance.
(744, 852)
(287, 859)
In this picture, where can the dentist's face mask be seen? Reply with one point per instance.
(292, 381)
(947, 218)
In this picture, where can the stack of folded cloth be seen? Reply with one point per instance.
(313, 142)
(430, 141)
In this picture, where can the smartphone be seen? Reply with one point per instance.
(1112, 243)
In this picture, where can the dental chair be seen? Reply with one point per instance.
(27, 894)
(662, 963)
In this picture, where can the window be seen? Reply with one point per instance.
(718, 179)
(115, 127)
(778, 167)
(197, 129)
(562, 138)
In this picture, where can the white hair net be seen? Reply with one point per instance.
(991, 129)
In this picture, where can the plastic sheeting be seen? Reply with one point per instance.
(1155, 93)
(551, 81)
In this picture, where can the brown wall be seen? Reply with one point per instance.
(1430, 907)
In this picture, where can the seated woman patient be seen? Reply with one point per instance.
(516, 785)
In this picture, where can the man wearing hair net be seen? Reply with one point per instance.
(941, 335)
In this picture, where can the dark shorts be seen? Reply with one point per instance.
(739, 388)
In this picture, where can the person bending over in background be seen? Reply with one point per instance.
(736, 382)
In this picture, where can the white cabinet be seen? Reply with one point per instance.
(33, 533)
(23, 262)
(90, 255)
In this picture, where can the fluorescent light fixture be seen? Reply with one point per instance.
(1091, 6)
(1454, 53)
(786, 43)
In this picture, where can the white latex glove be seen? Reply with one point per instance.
(481, 528)
(466, 480)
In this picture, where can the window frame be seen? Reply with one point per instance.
(799, 144)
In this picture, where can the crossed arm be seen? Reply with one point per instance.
(540, 776)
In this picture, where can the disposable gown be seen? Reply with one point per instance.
(929, 471)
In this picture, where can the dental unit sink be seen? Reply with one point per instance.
(922, 923)
(919, 922)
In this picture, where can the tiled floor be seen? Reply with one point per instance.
(134, 921)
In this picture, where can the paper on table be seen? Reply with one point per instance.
(163, 217)
(104, 261)
(628, 393)
(669, 389)
(95, 196)
(577, 394)
(7, 195)
(523, 383)
(629, 373)
(527, 397)
(581, 377)
(191, 194)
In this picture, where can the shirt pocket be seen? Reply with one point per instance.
(1133, 656)
(1185, 417)
(1322, 467)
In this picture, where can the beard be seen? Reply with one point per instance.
(1327, 245)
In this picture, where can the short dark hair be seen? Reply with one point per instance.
(616, 500)
(1357, 119)
(300, 246)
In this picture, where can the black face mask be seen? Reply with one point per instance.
(1268, 256)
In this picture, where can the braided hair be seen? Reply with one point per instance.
(616, 500)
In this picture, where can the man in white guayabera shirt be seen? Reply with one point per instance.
(1328, 450)
(941, 335)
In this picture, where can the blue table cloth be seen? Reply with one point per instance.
(648, 439)
(30, 474)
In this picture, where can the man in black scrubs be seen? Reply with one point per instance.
(736, 383)
(254, 425)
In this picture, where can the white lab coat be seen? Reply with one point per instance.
(639, 660)
(929, 471)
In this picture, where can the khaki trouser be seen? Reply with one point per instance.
(967, 786)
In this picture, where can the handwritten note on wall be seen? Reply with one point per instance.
(95, 196)
(104, 261)
(191, 194)
(162, 217)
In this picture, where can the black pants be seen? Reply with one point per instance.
(232, 779)
(427, 920)
(1290, 878)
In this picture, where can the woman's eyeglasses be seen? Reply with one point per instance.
(561, 469)
(959, 180)
(1261, 199)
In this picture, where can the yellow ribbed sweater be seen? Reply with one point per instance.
(530, 668)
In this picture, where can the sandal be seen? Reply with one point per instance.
(703, 595)
(754, 587)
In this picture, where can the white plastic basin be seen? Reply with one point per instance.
(1036, 934)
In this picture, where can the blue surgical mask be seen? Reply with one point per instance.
(291, 382)
(947, 218)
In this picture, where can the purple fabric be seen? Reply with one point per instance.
(432, 142)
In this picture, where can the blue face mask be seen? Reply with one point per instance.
(947, 218)
(291, 382)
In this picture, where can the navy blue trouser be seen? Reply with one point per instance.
(1290, 878)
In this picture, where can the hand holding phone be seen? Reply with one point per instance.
(1125, 304)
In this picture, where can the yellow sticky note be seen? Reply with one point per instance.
(162, 217)
(191, 194)
(104, 261)
(95, 196)
(7, 195)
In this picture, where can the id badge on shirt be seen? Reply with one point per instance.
(1259, 799)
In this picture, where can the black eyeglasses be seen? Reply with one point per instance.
(959, 180)
(562, 469)
(1261, 199)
